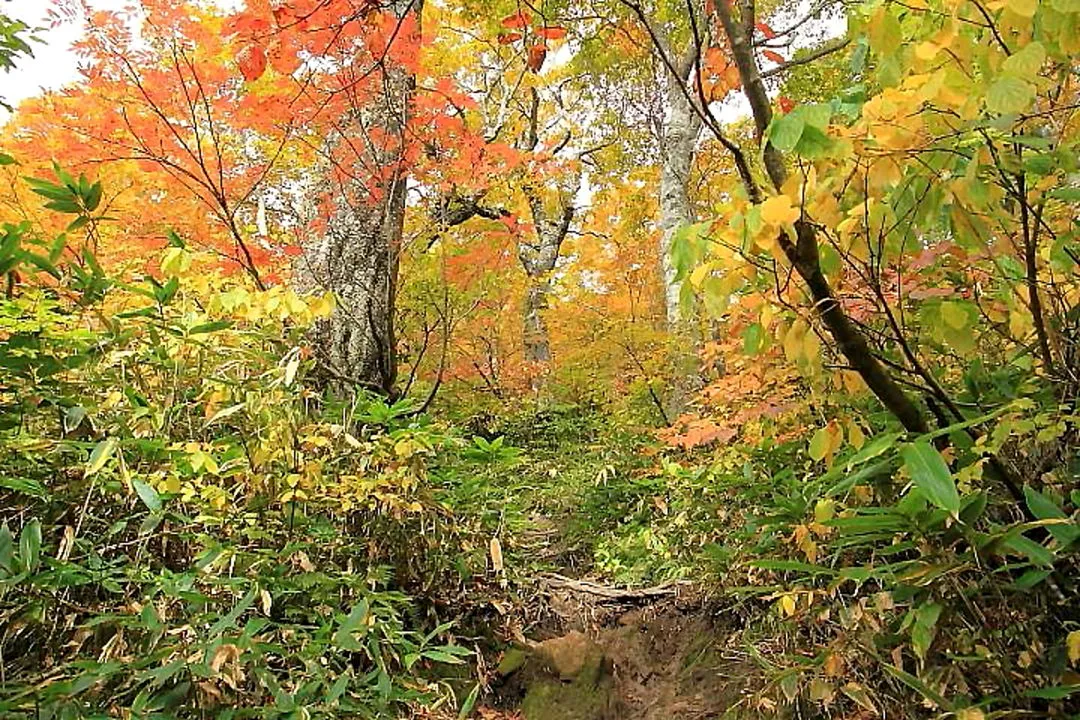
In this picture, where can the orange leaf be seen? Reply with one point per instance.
(552, 33)
(252, 62)
(282, 16)
(765, 30)
(537, 53)
(509, 38)
(517, 20)
(774, 56)
(786, 104)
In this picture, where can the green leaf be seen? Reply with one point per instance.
(1043, 508)
(819, 445)
(1056, 692)
(955, 314)
(814, 143)
(148, 495)
(1068, 194)
(785, 131)
(918, 686)
(7, 550)
(1033, 551)
(6, 159)
(210, 327)
(26, 486)
(815, 115)
(101, 454)
(65, 206)
(93, 197)
(931, 475)
(753, 338)
(1009, 95)
(230, 619)
(470, 702)
(30, 545)
(355, 621)
(1026, 63)
(443, 657)
(1065, 6)
(922, 632)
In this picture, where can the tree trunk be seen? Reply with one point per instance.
(681, 128)
(803, 252)
(537, 345)
(680, 133)
(356, 256)
(538, 258)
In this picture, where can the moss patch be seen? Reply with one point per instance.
(587, 697)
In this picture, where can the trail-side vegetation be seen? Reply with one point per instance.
(588, 361)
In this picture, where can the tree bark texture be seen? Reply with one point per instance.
(538, 256)
(355, 256)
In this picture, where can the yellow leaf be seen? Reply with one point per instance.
(821, 691)
(970, 714)
(926, 50)
(824, 510)
(778, 211)
(1072, 642)
(787, 604)
(700, 273)
(856, 436)
(954, 315)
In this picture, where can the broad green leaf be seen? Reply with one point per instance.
(753, 337)
(955, 314)
(30, 545)
(922, 631)
(101, 454)
(1009, 95)
(931, 475)
(785, 131)
(1026, 63)
(819, 444)
(1033, 551)
(815, 115)
(148, 495)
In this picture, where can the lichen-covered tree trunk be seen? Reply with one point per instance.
(538, 256)
(537, 344)
(355, 256)
(681, 127)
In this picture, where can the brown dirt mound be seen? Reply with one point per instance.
(671, 659)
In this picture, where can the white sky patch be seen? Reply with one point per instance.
(54, 63)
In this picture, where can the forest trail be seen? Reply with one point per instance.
(587, 647)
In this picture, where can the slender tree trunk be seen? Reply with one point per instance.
(537, 345)
(538, 256)
(680, 133)
(803, 252)
(681, 128)
(356, 255)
